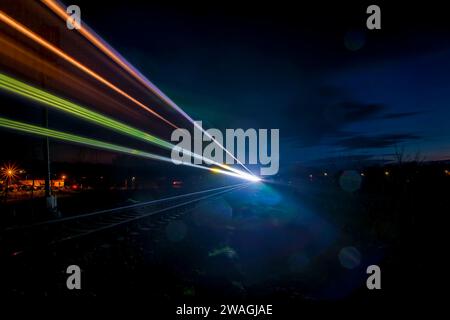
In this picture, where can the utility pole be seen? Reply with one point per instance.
(46, 151)
(52, 34)
(6, 190)
(49, 198)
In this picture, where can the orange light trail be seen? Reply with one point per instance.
(117, 58)
(28, 33)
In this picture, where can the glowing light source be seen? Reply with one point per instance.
(242, 175)
(9, 171)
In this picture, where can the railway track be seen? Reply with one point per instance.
(20, 239)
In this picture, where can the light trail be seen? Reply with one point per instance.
(18, 55)
(33, 36)
(40, 131)
(20, 88)
(109, 51)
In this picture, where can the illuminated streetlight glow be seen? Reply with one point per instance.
(9, 171)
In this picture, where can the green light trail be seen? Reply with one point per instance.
(14, 86)
(24, 90)
(40, 131)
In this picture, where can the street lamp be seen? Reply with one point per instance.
(9, 172)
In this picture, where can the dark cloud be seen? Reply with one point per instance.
(375, 142)
(347, 112)
(321, 112)
(342, 161)
(398, 115)
(328, 116)
(357, 112)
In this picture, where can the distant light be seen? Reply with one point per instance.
(241, 175)
(253, 178)
(362, 174)
(386, 173)
(325, 174)
(64, 177)
(250, 177)
(310, 176)
(10, 171)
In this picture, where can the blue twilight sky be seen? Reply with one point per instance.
(332, 87)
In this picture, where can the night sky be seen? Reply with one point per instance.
(334, 89)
